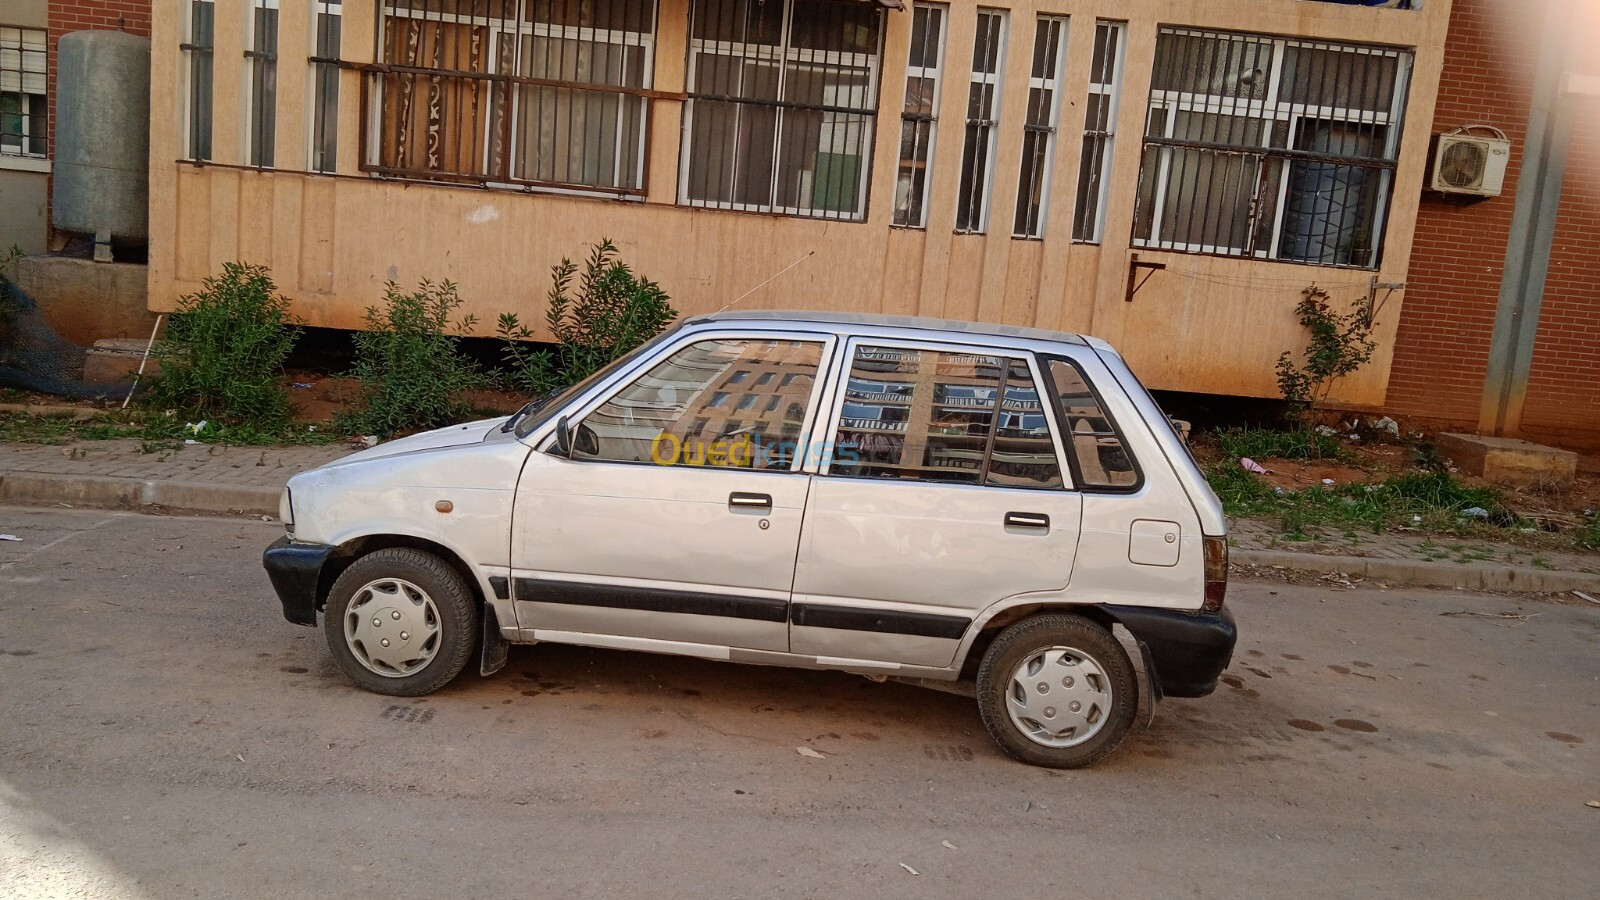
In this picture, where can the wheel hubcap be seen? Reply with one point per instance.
(1059, 697)
(392, 627)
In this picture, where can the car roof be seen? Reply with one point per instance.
(849, 322)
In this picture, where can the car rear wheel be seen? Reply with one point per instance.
(1057, 690)
(401, 622)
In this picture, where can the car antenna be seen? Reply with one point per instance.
(774, 277)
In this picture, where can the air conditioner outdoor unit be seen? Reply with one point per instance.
(1467, 164)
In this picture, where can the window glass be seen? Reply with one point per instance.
(1099, 454)
(23, 106)
(935, 416)
(919, 121)
(983, 109)
(676, 414)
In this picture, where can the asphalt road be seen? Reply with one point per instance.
(164, 733)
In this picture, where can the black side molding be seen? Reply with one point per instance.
(295, 570)
(1189, 650)
(578, 593)
(855, 618)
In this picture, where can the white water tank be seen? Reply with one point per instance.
(102, 153)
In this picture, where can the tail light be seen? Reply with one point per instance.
(1216, 553)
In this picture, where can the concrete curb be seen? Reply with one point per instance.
(1421, 573)
(131, 493)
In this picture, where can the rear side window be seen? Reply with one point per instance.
(1100, 457)
(930, 415)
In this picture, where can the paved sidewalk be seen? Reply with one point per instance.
(222, 479)
(129, 473)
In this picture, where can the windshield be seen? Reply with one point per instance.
(558, 401)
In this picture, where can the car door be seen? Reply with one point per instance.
(677, 517)
(945, 493)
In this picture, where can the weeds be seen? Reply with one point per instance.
(411, 372)
(1588, 536)
(612, 312)
(1262, 443)
(1339, 344)
(223, 354)
(159, 430)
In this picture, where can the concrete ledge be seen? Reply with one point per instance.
(1509, 461)
(1421, 573)
(131, 493)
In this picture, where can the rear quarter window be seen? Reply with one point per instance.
(1096, 450)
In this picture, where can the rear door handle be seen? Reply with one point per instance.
(1027, 520)
(739, 500)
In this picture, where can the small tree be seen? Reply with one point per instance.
(1339, 344)
(410, 368)
(612, 312)
(222, 357)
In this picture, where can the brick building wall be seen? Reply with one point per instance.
(1453, 287)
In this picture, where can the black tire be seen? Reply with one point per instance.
(441, 656)
(1115, 697)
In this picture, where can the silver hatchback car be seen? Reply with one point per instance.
(1002, 511)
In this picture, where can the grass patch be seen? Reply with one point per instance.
(154, 430)
(1264, 443)
(1588, 536)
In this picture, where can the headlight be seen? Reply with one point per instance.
(286, 511)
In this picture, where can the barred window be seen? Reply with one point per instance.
(517, 92)
(1270, 148)
(782, 102)
(262, 63)
(1039, 131)
(24, 112)
(1099, 130)
(326, 24)
(199, 37)
(983, 111)
(920, 119)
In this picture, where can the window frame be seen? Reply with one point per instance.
(193, 53)
(580, 410)
(1268, 112)
(839, 378)
(322, 133)
(22, 157)
(901, 218)
(782, 56)
(260, 113)
(1047, 131)
(1058, 418)
(981, 191)
(515, 27)
(1088, 226)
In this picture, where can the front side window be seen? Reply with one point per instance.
(518, 92)
(1270, 148)
(262, 63)
(920, 119)
(24, 111)
(1100, 457)
(983, 111)
(930, 415)
(674, 414)
(1039, 131)
(783, 96)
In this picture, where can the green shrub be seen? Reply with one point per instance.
(612, 312)
(222, 357)
(411, 371)
(1338, 345)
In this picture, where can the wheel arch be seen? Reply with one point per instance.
(345, 554)
(988, 628)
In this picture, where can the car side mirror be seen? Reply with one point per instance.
(563, 447)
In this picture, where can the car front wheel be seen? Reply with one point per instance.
(401, 622)
(1057, 690)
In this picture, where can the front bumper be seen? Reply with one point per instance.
(296, 572)
(1188, 650)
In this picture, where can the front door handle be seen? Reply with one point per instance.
(1027, 520)
(738, 500)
